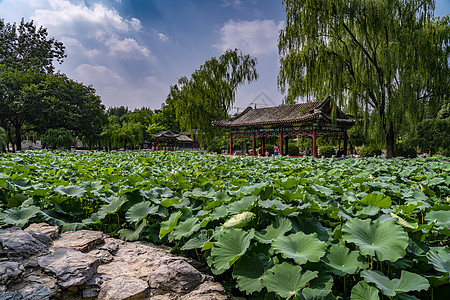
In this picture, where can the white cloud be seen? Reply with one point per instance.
(233, 3)
(74, 47)
(97, 21)
(163, 37)
(97, 75)
(257, 37)
(127, 48)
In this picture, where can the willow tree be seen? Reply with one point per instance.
(210, 92)
(386, 60)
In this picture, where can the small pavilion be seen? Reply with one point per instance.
(312, 119)
(172, 141)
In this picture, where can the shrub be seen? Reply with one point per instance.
(293, 149)
(405, 151)
(55, 138)
(367, 151)
(327, 151)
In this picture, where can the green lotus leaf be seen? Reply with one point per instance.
(301, 247)
(377, 199)
(442, 217)
(408, 282)
(111, 208)
(385, 240)
(342, 261)
(363, 291)
(245, 204)
(317, 294)
(250, 268)
(239, 220)
(132, 235)
(277, 229)
(70, 207)
(230, 246)
(199, 239)
(140, 211)
(168, 225)
(157, 193)
(186, 228)
(19, 216)
(440, 258)
(287, 279)
(73, 227)
(71, 191)
(311, 225)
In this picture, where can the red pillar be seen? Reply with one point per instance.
(345, 143)
(314, 138)
(254, 144)
(281, 142)
(231, 143)
(263, 145)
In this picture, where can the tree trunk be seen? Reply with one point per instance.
(390, 142)
(18, 138)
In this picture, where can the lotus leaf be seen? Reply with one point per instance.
(279, 228)
(19, 216)
(169, 225)
(287, 279)
(408, 282)
(186, 228)
(71, 191)
(231, 244)
(385, 240)
(239, 220)
(440, 258)
(300, 247)
(363, 291)
(140, 211)
(342, 261)
(111, 208)
(377, 199)
(199, 239)
(442, 217)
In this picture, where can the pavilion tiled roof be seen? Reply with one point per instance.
(166, 134)
(282, 115)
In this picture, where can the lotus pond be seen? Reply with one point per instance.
(268, 228)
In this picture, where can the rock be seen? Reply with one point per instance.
(103, 256)
(10, 270)
(177, 276)
(35, 291)
(124, 287)
(50, 231)
(71, 267)
(207, 291)
(19, 244)
(111, 245)
(83, 240)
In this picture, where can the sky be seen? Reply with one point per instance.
(132, 51)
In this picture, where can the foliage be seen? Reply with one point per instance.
(368, 151)
(327, 151)
(293, 149)
(432, 134)
(387, 60)
(3, 139)
(56, 138)
(282, 227)
(25, 47)
(210, 93)
(404, 150)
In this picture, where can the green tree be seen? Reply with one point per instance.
(27, 47)
(433, 135)
(210, 92)
(57, 138)
(387, 60)
(3, 139)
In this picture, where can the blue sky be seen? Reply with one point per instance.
(131, 51)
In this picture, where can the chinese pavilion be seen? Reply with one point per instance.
(311, 118)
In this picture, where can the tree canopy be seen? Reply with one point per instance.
(387, 60)
(24, 46)
(210, 92)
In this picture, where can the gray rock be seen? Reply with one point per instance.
(176, 276)
(83, 240)
(103, 256)
(50, 231)
(9, 271)
(124, 287)
(208, 290)
(111, 245)
(18, 244)
(71, 267)
(35, 291)
(10, 296)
